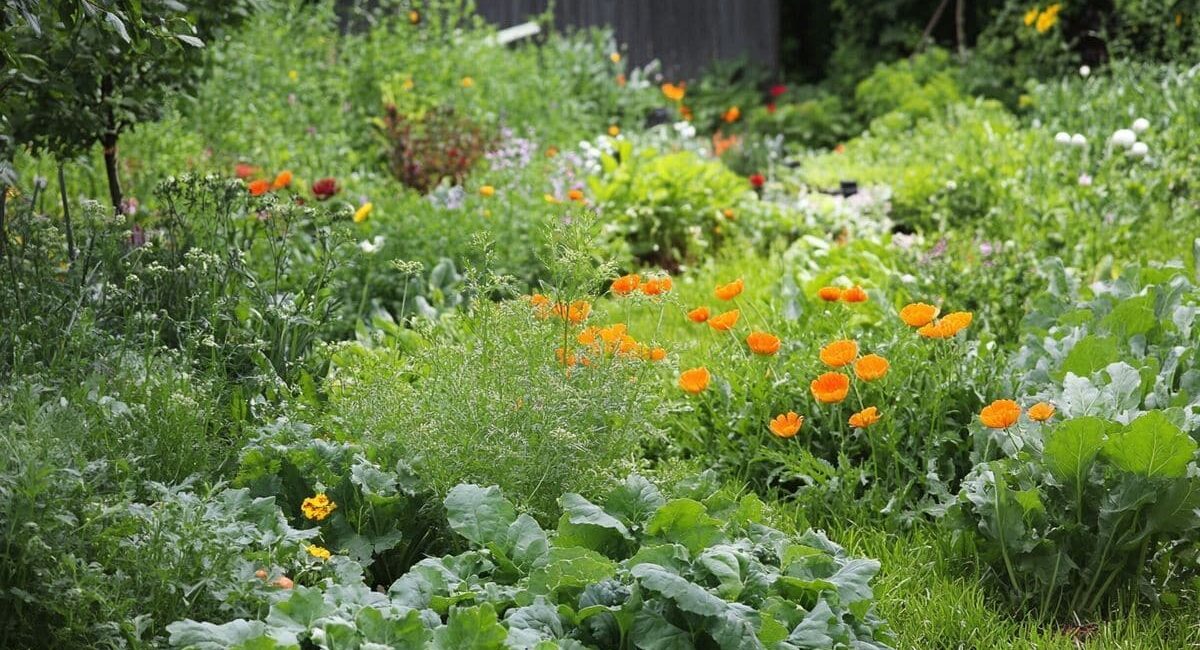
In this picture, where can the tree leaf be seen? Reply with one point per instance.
(190, 40)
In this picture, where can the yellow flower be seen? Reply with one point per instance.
(293, 75)
(364, 211)
(319, 552)
(550, 198)
(317, 507)
(467, 82)
(408, 84)
(614, 130)
(487, 191)
(615, 57)
(1048, 18)
(1031, 17)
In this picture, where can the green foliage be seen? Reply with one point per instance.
(637, 569)
(908, 90)
(668, 207)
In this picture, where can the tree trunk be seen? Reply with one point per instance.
(110, 167)
(62, 189)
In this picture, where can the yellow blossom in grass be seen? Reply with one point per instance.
(550, 198)
(467, 82)
(1031, 17)
(293, 75)
(364, 211)
(319, 552)
(1048, 18)
(615, 57)
(614, 130)
(408, 84)
(487, 191)
(317, 507)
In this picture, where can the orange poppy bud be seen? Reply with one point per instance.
(839, 353)
(695, 380)
(730, 116)
(786, 425)
(657, 286)
(728, 212)
(830, 388)
(854, 294)
(918, 314)
(724, 322)
(626, 284)
(865, 418)
(259, 187)
(698, 315)
(762, 343)
(575, 195)
(830, 294)
(1000, 414)
(731, 290)
(657, 354)
(487, 191)
(1041, 412)
(871, 367)
(282, 180)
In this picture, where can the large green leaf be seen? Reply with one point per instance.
(570, 568)
(686, 522)
(634, 500)
(1090, 354)
(1072, 447)
(651, 631)
(471, 628)
(687, 595)
(1132, 316)
(405, 633)
(479, 514)
(1151, 446)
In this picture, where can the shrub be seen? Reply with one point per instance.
(1097, 500)
(908, 90)
(432, 146)
(637, 569)
(668, 207)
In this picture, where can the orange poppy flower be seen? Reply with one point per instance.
(830, 294)
(1041, 412)
(539, 300)
(854, 294)
(918, 314)
(865, 418)
(686, 113)
(935, 330)
(575, 195)
(577, 312)
(673, 92)
(786, 425)
(1000, 414)
(657, 286)
(958, 321)
(487, 191)
(730, 116)
(731, 290)
(259, 187)
(762, 343)
(871, 367)
(657, 354)
(695, 380)
(626, 284)
(621, 80)
(724, 322)
(698, 315)
(245, 170)
(282, 180)
(566, 358)
(830, 388)
(839, 353)
(614, 130)
(729, 213)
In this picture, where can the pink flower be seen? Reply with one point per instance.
(777, 90)
(324, 188)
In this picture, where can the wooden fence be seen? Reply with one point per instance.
(685, 35)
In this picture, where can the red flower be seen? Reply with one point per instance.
(324, 188)
(757, 180)
(244, 170)
(777, 90)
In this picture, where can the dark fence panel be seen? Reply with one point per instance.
(686, 35)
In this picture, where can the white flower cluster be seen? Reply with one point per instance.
(1128, 138)
(1067, 140)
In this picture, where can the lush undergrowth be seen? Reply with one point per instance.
(397, 336)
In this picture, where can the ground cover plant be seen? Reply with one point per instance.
(347, 325)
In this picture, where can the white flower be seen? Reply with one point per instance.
(1063, 138)
(1084, 71)
(1140, 125)
(1124, 138)
(1085, 180)
(373, 246)
(1078, 140)
(1139, 150)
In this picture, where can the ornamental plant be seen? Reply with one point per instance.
(697, 567)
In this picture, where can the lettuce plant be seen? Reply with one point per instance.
(635, 570)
